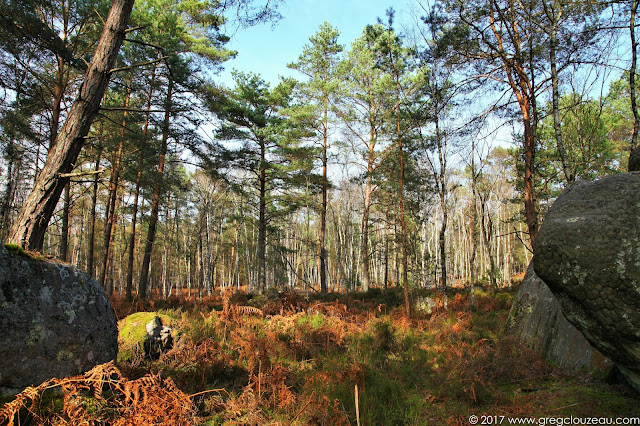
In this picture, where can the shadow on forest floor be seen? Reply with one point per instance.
(291, 359)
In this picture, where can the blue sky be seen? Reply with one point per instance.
(267, 49)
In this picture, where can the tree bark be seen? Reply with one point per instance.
(403, 225)
(322, 251)
(473, 226)
(157, 192)
(64, 240)
(262, 221)
(111, 216)
(32, 221)
(13, 171)
(132, 235)
(364, 232)
(92, 224)
(555, 90)
(134, 213)
(487, 232)
(523, 90)
(632, 75)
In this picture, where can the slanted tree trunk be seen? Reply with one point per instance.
(32, 221)
(157, 192)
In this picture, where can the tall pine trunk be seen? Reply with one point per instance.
(111, 216)
(632, 75)
(262, 221)
(473, 226)
(136, 198)
(554, 17)
(64, 240)
(322, 251)
(32, 221)
(132, 235)
(364, 232)
(487, 232)
(13, 172)
(92, 222)
(403, 225)
(523, 89)
(157, 192)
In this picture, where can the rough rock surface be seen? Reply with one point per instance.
(159, 338)
(588, 253)
(537, 319)
(56, 321)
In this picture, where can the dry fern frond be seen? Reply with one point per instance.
(246, 310)
(149, 400)
(10, 409)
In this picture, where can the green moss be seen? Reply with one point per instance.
(132, 332)
(16, 249)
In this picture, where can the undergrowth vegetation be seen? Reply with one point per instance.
(290, 359)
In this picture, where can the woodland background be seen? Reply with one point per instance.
(378, 167)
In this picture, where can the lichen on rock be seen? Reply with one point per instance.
(56, 321)
(593, 265)
(537, 320)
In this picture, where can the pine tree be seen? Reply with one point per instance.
(33, 219)
(253, 115)
(319, 63)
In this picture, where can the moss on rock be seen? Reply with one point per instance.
(132, 332)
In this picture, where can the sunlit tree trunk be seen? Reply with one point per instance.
(473, 226)
(157, 192)
(554, 14)
(322, 250)
(92, 222)
(136, 196)
(111, 216)
(262, 220)
(632, 75)
(32, 221)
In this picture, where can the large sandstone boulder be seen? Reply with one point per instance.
(588, 253)
(55, 320)
(537, 319)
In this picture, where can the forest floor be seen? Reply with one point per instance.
(285, 359)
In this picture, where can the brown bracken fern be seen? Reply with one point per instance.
(104, 396)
